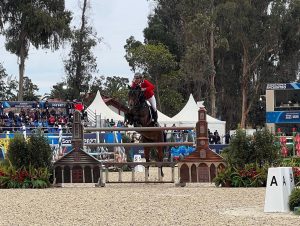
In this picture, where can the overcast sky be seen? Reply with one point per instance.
(113, 20)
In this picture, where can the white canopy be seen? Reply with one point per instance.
(164, 119)
(189, 116)
(100, 108)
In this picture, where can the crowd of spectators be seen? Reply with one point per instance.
(112, 123)
(47, 118)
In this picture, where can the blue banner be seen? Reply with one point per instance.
(283, 117)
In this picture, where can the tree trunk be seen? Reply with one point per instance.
(244, 88)
(157, 94)
(79, 73)
(213, 75)
(21, 72)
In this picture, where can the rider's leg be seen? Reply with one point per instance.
(152, 101)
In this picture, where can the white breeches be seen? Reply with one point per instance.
(152, 102)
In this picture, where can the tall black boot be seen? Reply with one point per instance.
(155, 117)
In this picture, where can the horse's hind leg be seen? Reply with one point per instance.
(147, 157)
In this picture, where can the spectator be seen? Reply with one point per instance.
(211, 138)
(51, 120)
(78, 105)
(217, 137)
(1, 109)
(68, 108)
(112, 123)
(119, 124)
(46, 107)
(36, 105)
(227, 138)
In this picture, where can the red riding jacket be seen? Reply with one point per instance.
(149, 92)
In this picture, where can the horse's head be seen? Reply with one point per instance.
(135, 97)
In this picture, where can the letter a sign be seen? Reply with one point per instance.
(280, 184)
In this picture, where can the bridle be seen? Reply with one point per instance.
(139, 99)
(137, 103)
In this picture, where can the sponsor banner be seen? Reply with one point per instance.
(283, 86)
(89, 138)
(283, 117)
(32, 104)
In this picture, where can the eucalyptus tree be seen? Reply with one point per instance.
(188, 29)
(40, 23)
(288, 55)
(153, 59)
(252, 33)
(81, 63)
(166, 25)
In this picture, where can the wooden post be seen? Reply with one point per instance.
(120, 174)
(173, 174)
(133, 174)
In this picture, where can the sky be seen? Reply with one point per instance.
(113, 20)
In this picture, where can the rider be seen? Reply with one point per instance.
(148, 89)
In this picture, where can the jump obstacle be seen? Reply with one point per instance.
(77, 166)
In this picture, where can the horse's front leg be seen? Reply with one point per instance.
(160, 155)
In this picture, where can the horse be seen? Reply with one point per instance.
(140, 115)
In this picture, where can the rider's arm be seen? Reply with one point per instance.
(149, 85)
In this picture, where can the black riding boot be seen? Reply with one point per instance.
(155, 117)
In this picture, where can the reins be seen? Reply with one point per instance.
(140, 104)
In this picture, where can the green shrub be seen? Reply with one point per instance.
(251, 175)
(261, 148)
(36, 152)
(223, 177)
(265, 149)
(40, 150)
(18, 153)
(294, 199)
(239, 150)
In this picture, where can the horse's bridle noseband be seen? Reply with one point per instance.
(139, 103)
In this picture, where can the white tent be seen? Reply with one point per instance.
(188, 116)
(164, 119)
(98, 107)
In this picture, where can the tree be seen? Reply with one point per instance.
(40, 23)
(153, 59)
(81, 63)
(288, 50)
(97, 84)
(253, 34)
(171, 100)
(60, 91)
(116, 87)
(7, 85)
(29, 90)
